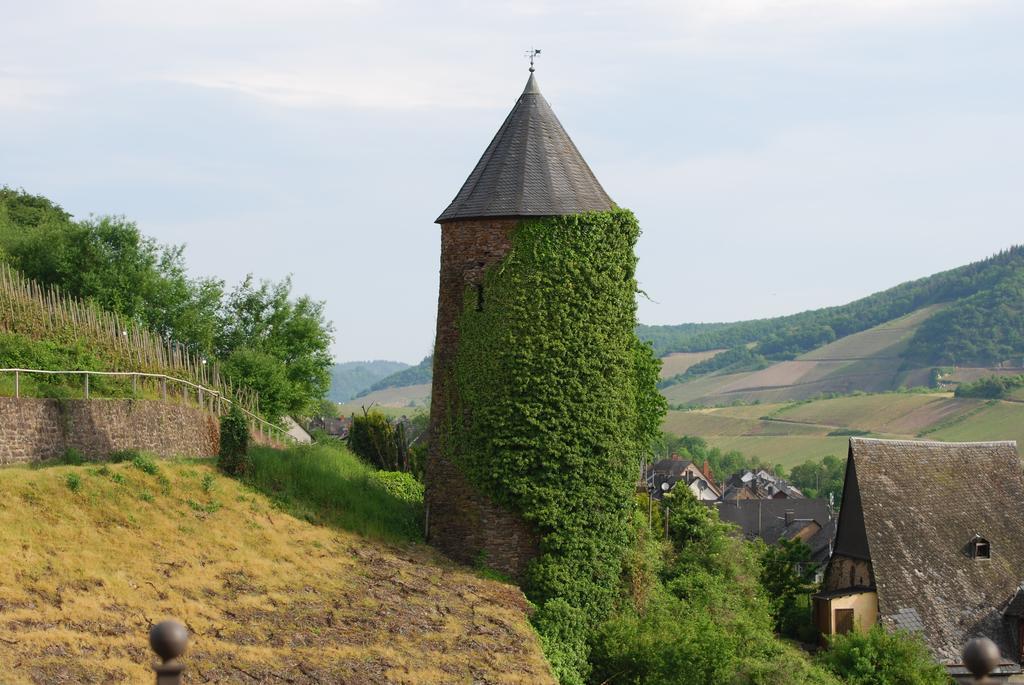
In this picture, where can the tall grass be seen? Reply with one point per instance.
(328, 485)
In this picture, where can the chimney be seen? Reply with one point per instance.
(790, 516)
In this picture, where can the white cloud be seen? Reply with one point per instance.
(409, 87)
(27, 93)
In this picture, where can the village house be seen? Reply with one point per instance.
(675, 469)
(930, 539)
(759, 484)
(809, 520)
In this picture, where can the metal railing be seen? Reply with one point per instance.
(207, 398)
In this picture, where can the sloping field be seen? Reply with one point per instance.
(410, 397)
(894, 413)
(786, 450)
(969, 374)
(887, 340)
(868, 361)
(789, 434)
(679, 362)
(993, 421)
(92, 555)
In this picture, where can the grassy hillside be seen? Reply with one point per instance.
(348, 379)
(790, 433)
(93, 554)
(982, 326)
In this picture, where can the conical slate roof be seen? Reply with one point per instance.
(531, 168)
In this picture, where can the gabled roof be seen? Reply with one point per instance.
(531, 168)
(913, 507)
(766, 518)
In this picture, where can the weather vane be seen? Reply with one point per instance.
(532, 53)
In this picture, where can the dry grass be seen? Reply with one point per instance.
(268, 598)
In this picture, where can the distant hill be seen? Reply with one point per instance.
(911, 335)
(414, 375)
(984, 324)
(348, 379)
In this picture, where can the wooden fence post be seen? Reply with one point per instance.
(17, 385)
(86, 386)
(163, 388)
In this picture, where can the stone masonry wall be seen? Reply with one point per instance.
(37, 429)
(462, 522)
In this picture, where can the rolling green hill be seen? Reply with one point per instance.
(414, 375)
(963, 323)
(348, 379)
(982, 325)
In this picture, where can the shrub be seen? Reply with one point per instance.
(72, 457)
(400, 485)
(145, 464)
(381, 442)
(208, 482)
(73, 481)
(123, 455)
(878, 657)
(233, 457)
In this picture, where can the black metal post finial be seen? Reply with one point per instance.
(981, 656)
(168, 639)
(532, 53)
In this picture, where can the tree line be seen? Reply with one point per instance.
(265, 338)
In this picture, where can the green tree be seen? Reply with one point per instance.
(109, 261)
(264, 320)
(787, 575)
(707, 619)
(878, 657)
(264, 373)
(820, 479)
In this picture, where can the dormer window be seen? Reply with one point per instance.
(981, 548)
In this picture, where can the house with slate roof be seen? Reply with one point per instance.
(675, 470)
(931, 540)
(759, 484)
(808, 520)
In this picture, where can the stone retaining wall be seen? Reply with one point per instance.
(37, 429)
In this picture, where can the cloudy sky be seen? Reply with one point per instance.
(781, 155)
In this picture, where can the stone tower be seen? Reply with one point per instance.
(530, 169)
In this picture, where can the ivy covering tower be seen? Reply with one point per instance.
(543, 399)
